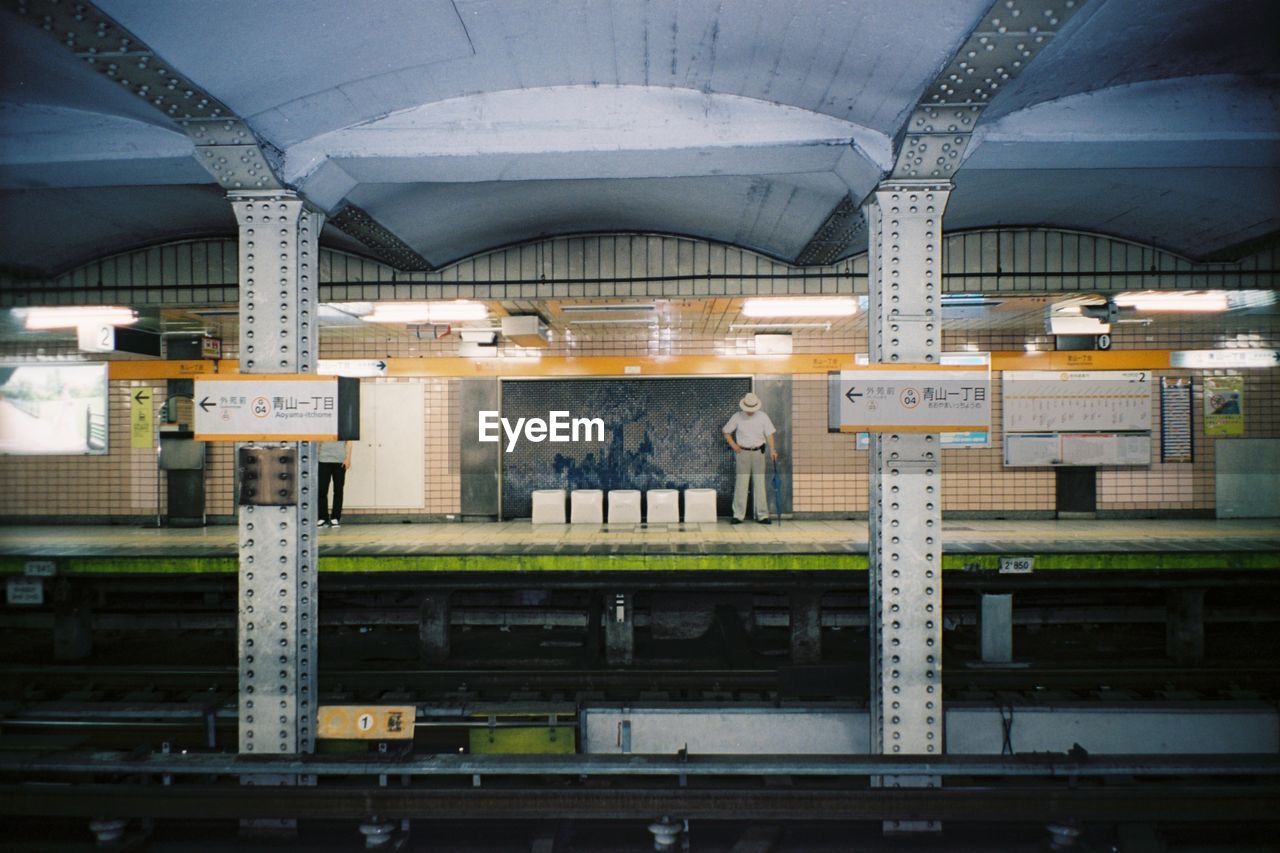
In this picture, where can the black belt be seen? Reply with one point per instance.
(754, 449)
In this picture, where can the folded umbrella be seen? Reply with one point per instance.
(777, 492)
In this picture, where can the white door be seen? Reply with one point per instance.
(398, 458)
(387, 461)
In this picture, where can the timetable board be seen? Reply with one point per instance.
(1052, 449)
(1076, 401)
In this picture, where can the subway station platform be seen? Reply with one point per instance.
(786, 545)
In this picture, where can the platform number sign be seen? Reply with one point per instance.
(1017, 565)
(374, 722)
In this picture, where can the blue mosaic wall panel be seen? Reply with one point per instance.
(659, 434)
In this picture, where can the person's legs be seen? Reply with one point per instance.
(339, 480)
(757, 486)
(741, 476)
(326, 474)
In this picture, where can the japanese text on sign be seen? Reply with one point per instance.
(900, 398)
(355, 722)
(238, 410)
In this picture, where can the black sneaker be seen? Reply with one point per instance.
(735, 521)
(323, 524)
(765, 520)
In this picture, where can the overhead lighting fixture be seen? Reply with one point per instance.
(344, 310)
(1156, 301)
(73, 317)
(967, 300)
(824, 326)
(426, 312)
(801, 307)
(609, 307)
(617, 321)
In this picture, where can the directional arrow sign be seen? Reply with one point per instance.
(915, 398)
(141, 419)
(289, 407)
(351, 367)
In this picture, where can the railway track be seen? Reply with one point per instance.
(839, 682)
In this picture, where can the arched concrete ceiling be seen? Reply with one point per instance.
(460, 125)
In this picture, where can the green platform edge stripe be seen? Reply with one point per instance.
(518, 563)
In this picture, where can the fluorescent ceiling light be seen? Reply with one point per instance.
(73, 317)
(608, 307)
(823, 326)
(630, 321)
(967, 300)
(426, 312)
(802, 307)
(1154, 300)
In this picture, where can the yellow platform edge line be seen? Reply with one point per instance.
(661, 563)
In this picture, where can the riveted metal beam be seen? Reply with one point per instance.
(225, 145)
(904, 323)
(843, 227)
(278, 624)
(1010, 35)
(384, 245)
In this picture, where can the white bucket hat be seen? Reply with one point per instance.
(750, 403)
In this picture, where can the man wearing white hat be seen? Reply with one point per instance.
(748, 432)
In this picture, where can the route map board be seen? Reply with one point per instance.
(1077, 401)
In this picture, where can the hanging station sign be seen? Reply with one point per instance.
(915, 398)
(288, 407)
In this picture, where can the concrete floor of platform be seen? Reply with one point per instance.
(975, 536)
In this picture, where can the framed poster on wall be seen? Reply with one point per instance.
(1224, 406)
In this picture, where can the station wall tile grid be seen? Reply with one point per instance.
(828, 474)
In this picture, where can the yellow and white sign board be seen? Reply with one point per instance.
(141, 419)
(365, 722)
(915, 398)
(272, 408)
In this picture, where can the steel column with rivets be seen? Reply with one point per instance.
(279, 249)
(904, 223)
(1008, 37)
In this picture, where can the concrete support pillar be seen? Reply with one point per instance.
(996, 627)
(279, 286)
(806, 627)
(619, 628)
(1184, 626)
(433, 628)
(904, 219)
